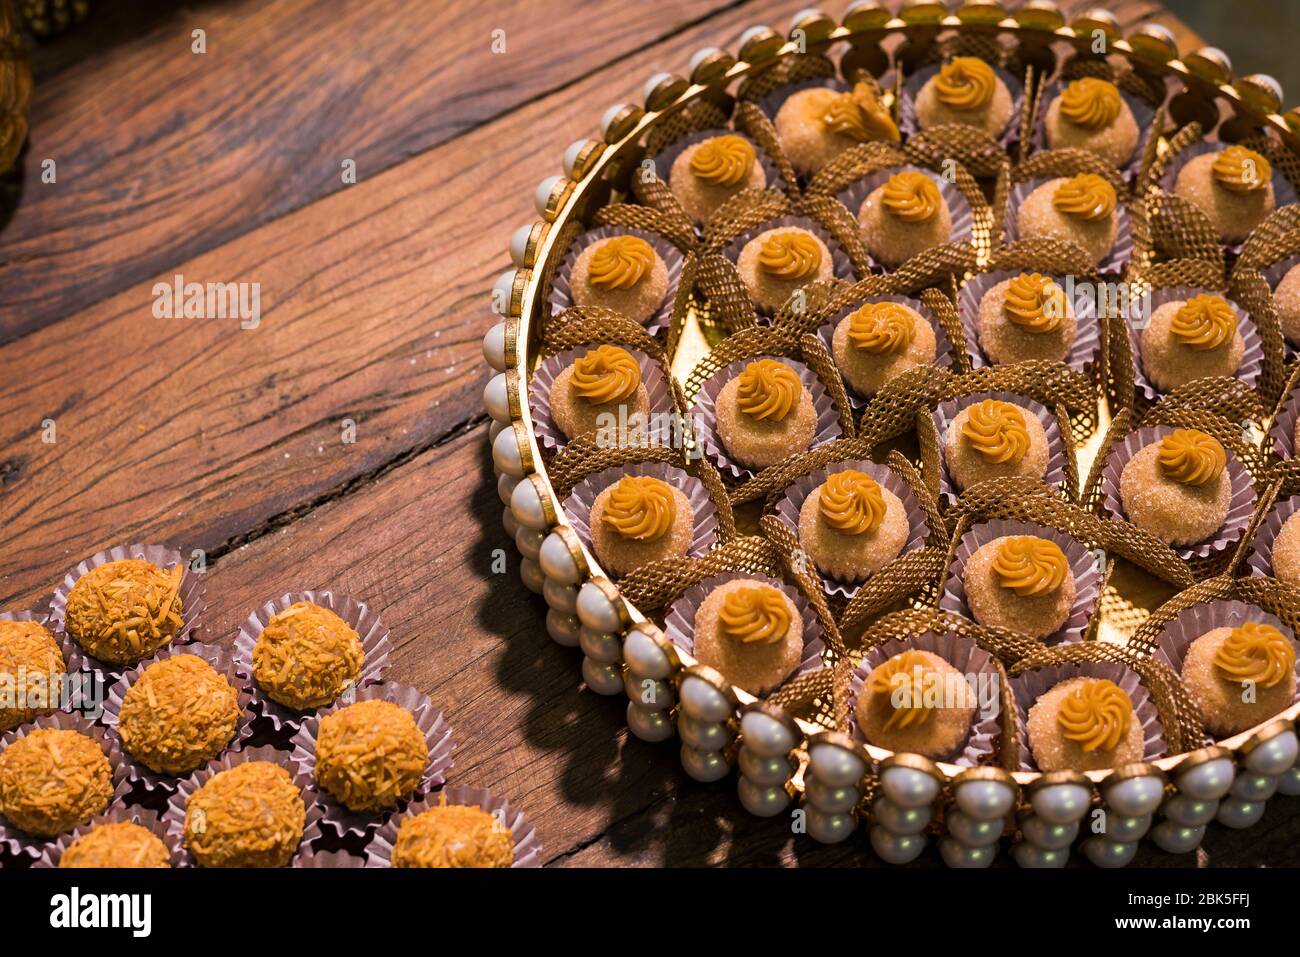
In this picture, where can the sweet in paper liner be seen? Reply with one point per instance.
(561, 294)
(1260, 559)
(910, 125)
(119, 814)
(1120, 252)
(72, 696)
(841, 265)
(528, 848)
(1143, 114)
(1083, 352)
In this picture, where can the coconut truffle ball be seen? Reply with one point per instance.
(600, 390)
(306, 656)
(117, 844)
(765, 414)
(251, 815)
(51, 780)
(1233, 186)
(817, 124)
(777, 263)
(31, 663)
(1020, 582)
(903, 217)
(880, 341)
(638, 520)
(1079, 209)
(1190, 339)
(994, 439)
(709, 173)
(126, 610)
(623, 273)
(1026, 317)
(370, 755)
(851, 526)
(751, 632)
(179, 715)
(453, 835)
(1090, 114)
(1286, 551)
(1240, 676)
(918, 703)
(967, 91)
(1178, 488)
(1084, 724)
(1286, 300)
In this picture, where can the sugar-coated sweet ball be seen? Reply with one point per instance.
(1232, 186)
(879, 342)
(1286, 301)
(707, 174)
(1020, 582)
(916, 702)
(1077, 209)
(1084, 724)
(765, 414)
(1240, 676)
(968, 92)
(1090, 114)
(1026, 317)
(1178, 488)
(816, 124)
(777, 263)
(598, 390)
(1286, 551)
(1191, 339)
(638, 520)
(994, 439)
(751, 632)
(251, 815)
(851, 526)
(623, 273)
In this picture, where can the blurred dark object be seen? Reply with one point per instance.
(15, 87)
(49, 18)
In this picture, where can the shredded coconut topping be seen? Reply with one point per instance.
(370, 754)
(306, 656)
(453, 835)
(123, 611)
(52, 780)
(179, 715)
(117, 844)
(251, 815)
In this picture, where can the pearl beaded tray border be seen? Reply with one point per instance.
(782, 758)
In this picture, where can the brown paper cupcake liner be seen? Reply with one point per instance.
(560, 297)
(964, 655)
(222, 660)
(946, 412)
(82, 690)
(1260, 559)
(1143, 113)
(1140, 310)
(704, 414)
(174, 817)
(1111, 264)
(1240, 508)
(959, 211)
(658, 392)
(679, 622)
(910, 126)
(1028, 687)
(787, 510)
(665, 158)
(358, 616)
(338, 818)
(21, 843)
(841, 265)
(1283, 430)
(191, 591)
(121, 814)
(1084, 352)
(528, 847)
(1084, 569)
(330, 859)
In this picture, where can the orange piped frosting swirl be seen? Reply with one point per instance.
(768, 389)
(851, 502)
(1190, 457)
(1204, 322)
(1086, 196)
(641, 507)
(1035, 303)
(1096, 715)
(723, 160)
(997, 431)
(621, 262)
(1029, 566)
(1241, 170)
(754, 615)
(1256, 653)
(911, 196)
(860, 116)
(1091, 103)
(606, 374)
(965, 83)
(881, 328)
(903, 675)
(791, 255)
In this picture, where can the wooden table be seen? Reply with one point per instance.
(226, 166)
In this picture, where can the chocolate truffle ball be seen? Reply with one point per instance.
(251, 815)
(1233, 186)
(306, 656)
(622, 273)
(1240, 676)
(778, 262)
(1191, 339)
(1286, 300)
(178, 715)
(903, 217)
(32, 666)
(1026, 317)
(599, 391)
(1286, 551)
(1178, 488)
(751, 632)
(117, 844)
(966, 91)
(640, 519)
(370, 755)
(851, 526)
(1090, 114)
(126, 610)
(709, 173)
(1079, 209)
(917, 703)
(51, 780)
(1020, 582)
(765, 414)
(994, 439)
(879, 342)
(453, 835)
(817, 124)
(1084, 724)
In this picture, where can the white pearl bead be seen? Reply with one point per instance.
(1061, 803)
(1209, 781)
(505, 454)
(1253, 787)
(1052, 837)
(607, 119)
(562, 628)
(571, 154)
(1125, 828)
(599, 646)
(1031, 856)
(494, 346)
(1176, 839)
(703, 701)
(652, 726)
(828, 827)
(984, 800)
(750, 33)
(1107, 853)
(908, 787)
(495, 428)
(1289, 782)
(509, 523)
(704, 766)
(956, 854)
(526, 506)
(972, 831)
(1189, 811)
(700, 55)
(900, 820)
(542, 195)
(502, 291)
(495, 400)
(557, 562)
(648, 692)
(835, 766)
(896, 848)
(1238, 814)
(643, 656)
(833, 799)
(765, 736)
(563, 598)
(519, 241)
(596, 611)
(506, 485)
(531, 574)
(652, 83)
(804, 13)
(601, 678)
(704, 735)
(529, 542)
(762, 800)
(1275, 755)
(768, 772)
(1135, 796)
